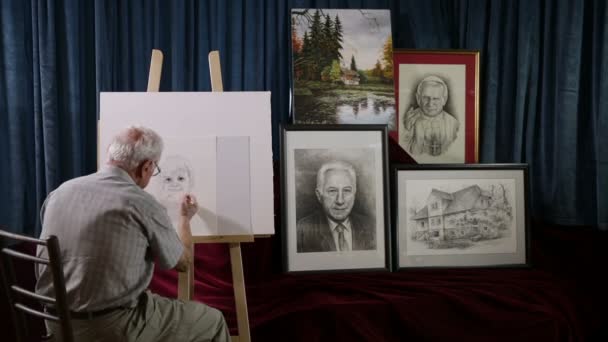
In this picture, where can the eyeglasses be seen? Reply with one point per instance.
(156, 169)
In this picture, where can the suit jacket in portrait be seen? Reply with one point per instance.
(314, 234)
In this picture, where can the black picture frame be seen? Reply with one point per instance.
(308, 243)
(476, 215)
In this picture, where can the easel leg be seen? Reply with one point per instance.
(238, 280)
(185, 282)
(240, 299)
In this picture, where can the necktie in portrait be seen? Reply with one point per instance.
(342, 244)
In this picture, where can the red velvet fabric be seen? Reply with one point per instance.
(555, 300)
(562, 297)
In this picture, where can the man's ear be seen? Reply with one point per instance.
(318, 193)
(143, 166)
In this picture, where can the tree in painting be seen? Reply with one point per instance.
(338, 77)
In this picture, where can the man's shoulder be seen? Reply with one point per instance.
(111, 188)
(448, 116)
(310, 220)
(361, 219)
(413, 118)
(143, 201)
(414, 113)
(75, 184)
(364, 231)
(79, 180)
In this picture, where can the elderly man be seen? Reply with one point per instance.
(111, 231)
(336, 227)
(429, 129)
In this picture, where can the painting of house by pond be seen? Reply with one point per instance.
(463, 219)
(342, 67)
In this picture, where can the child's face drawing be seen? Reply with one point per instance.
(176, 180)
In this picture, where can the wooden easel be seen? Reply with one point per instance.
(185, 283)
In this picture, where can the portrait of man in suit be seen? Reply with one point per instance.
(334, 226)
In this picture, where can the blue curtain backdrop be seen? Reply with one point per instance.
(544, 82)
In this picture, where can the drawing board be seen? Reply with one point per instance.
(218, 146)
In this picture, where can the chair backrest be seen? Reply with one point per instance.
(20, 299)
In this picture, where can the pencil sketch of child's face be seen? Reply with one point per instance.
(177, 180)
(176, 177)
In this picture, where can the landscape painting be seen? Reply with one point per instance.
(342, 67)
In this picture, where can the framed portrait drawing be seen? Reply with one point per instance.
(437, 96)
(335, 199)
(449, 215)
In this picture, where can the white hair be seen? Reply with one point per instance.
(335, 165)
(134, 145)
(436, 81)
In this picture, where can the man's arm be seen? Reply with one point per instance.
(408, 133)
(188, 208)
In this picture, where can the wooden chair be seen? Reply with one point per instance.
(21, 299)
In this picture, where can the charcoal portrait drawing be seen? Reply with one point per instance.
(429, 128)
(334, 207)
(176, 179)
(464, 218)
(432, 103)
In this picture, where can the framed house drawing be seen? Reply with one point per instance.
(460, 215)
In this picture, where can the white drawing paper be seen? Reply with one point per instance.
(200, 118)
(187, 167)
(234, 198)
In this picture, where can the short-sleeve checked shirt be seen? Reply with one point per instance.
(110, 233)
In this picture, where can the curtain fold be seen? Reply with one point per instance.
(599, 108)
(16, 130)
(543, 84)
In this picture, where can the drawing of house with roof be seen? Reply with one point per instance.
(350, 77)
(470, 213)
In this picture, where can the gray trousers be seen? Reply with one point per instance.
(155, 318)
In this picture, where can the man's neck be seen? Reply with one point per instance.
(434, 117)
(334, 223)
(131, 173)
